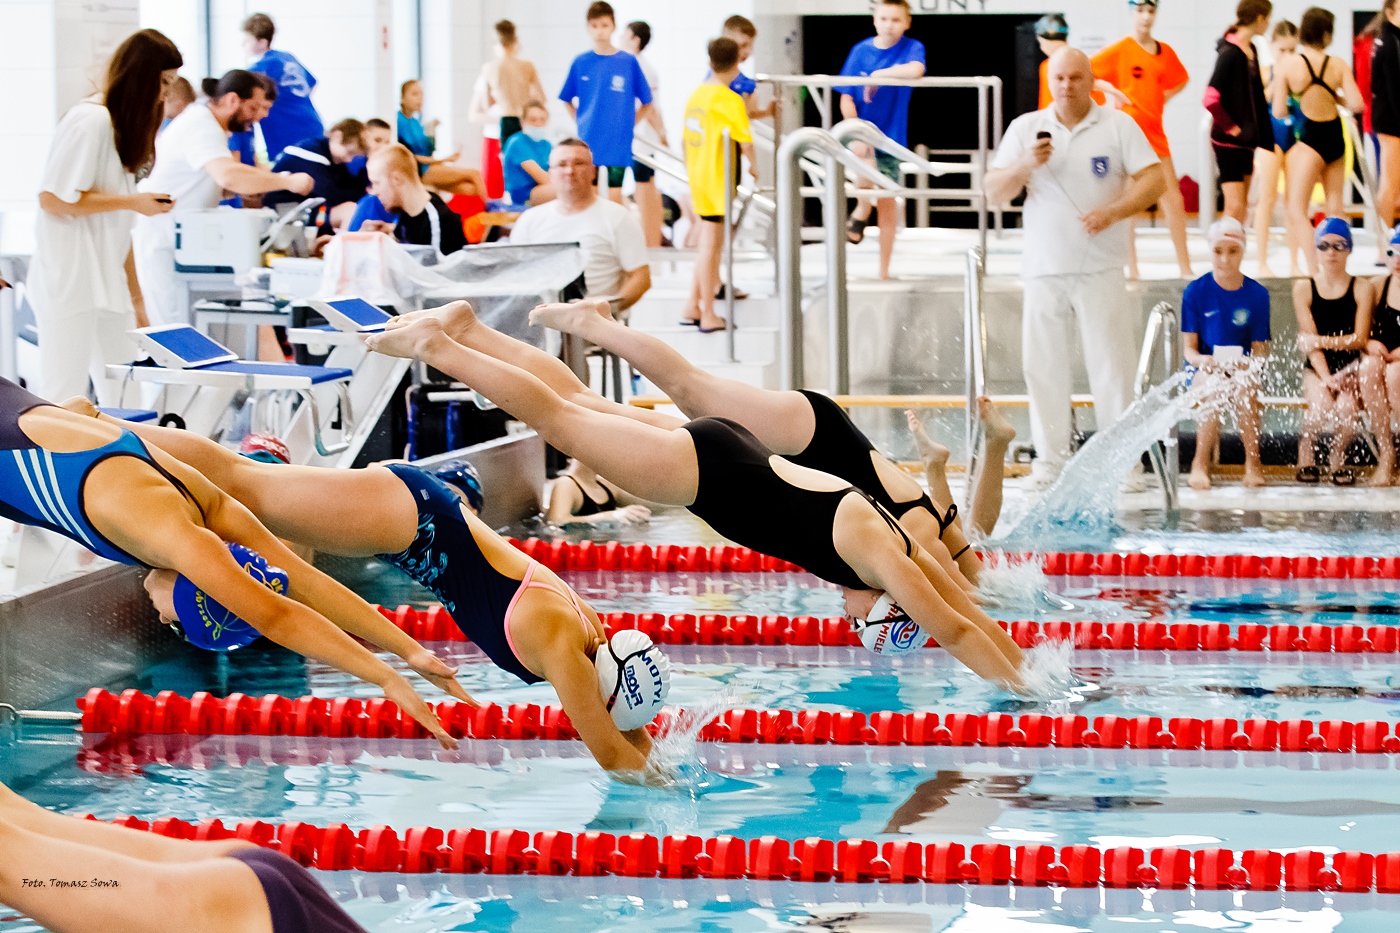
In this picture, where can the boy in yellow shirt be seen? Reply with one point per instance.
(711, 110)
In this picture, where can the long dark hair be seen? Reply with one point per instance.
(134, 96)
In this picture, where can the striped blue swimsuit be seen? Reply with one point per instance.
(43, 488)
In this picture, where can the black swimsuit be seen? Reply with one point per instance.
(840, 448)
(1385, 323)
(296, 901)
(743, 498)
(1324, 136)
(590, 507)
(1335, 317)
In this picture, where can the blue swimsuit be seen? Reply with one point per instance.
(445, 557)
(42, 488)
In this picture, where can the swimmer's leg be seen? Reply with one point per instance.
(462, 325)
(782, 421)
(997, 435)
(649, 462)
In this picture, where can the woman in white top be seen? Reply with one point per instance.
(83, 283)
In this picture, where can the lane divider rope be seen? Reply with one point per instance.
(168, 713)
(424, 849)
(435, 624)
(668, 558)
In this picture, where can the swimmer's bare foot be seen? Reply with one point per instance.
(407, 338)
(80, 405)
(1253, 475)
(994, 423)
(569, 317)
(929, 452)
(1200, 478)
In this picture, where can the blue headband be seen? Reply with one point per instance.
(1395, 237)
(1333, 226)
(205, 623)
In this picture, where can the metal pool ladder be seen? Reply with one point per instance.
(1164, 331)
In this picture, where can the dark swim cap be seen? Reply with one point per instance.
(463, 476)
(1052, 26)
(205, 623)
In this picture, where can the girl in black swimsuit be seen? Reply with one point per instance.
(1334, 324)
(1319, 82)
(804, 427)
(572, 502)
(232, 886)
(1380, 366)
(722, 473)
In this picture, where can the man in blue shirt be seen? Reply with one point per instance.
(607, 83)
(1224, 327)
(376, 136)
(293, 117)
(890, 54)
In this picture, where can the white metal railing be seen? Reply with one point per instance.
(974, 356)
(1164, 333)
(989, 114)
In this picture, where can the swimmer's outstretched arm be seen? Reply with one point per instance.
(962, 604)
(161, 533)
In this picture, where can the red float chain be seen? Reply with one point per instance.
(168, 713)
(435, 624)
(587, 555)
(639, 855)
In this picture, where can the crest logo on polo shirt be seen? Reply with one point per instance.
(619, 83)
(1240, 317)
(1100, 166)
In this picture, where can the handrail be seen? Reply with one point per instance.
(839, 158)
(727, 250)
(867, 132)
(1367, 184)
(1209, 174)
(645, 152)
(974, 354)
(1166, 460)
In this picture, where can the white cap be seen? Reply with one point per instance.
(889, 630)
(1226, 228)
(634, 676)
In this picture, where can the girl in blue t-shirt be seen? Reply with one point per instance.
(1224, 328)
(442, 174)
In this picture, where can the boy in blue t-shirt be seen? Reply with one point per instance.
(525, 158)
(890, 54)
(742, 30)
(1224, 326)
(293, 117)
(607, 83)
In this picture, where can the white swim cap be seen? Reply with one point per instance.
(889, 630)
(634, 676)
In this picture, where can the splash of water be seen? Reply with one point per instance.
(674, 762)
(1081, 502)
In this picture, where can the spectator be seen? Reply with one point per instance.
(179, 96)
(335, 162)
(421, 140)
(1268, 163)
(605, 82)
(890, 54)
(1385, 110)
(1380, 367)
(82, 284)
(194, 165)
(293, 117)
(614, 253)
(652, 129)
(1224, 327)
(711, 110)
(1334, 326)
(511, 81)
(1235, 99)
(1085, 169)
(526, 159)
(1148, 73)
(744, 33)
(421, 217)
(1319, 82)
(377, 135)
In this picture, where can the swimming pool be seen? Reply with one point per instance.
(1100, 797)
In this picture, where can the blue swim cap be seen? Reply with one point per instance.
(205, 623)
(1395, 237)
(1052, 26)
(1333, 226)
(463, 476)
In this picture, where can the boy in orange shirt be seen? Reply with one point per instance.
(1147, 74)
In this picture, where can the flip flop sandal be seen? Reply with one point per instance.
(1310, 475)
(686, 322)
(739, 294)
(855, 230)
(1344, 477)
(714, 330)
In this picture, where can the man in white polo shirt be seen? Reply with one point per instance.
(1086, 170)
(614, 248)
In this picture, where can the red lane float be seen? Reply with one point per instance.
(683, 628)
(168, 713)
(426, 849)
